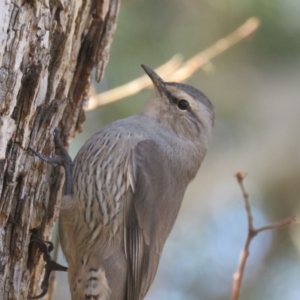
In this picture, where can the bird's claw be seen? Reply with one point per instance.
(51, 265)
(62, 159)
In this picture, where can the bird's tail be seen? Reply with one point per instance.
(89, 284)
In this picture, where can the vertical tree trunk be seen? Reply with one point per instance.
(48, 49)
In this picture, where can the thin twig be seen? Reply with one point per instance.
(252, 232)
(174, 70)
(283, 223)
(240, 177)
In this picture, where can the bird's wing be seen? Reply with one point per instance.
(152, 208)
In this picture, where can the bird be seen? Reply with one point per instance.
(128, 184)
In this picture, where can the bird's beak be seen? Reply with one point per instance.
(158, 83)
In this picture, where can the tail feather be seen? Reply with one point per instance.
(90, 285)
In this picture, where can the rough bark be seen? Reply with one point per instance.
(48, 49)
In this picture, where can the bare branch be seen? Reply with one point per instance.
(252, 232)
(132, 87)
(173, 70)
(196, 62)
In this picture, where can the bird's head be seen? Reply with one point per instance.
(181, 108)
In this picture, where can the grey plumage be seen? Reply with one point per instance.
(128, 183)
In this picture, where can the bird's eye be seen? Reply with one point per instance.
(183, 104)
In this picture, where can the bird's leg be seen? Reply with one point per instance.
(46, 247)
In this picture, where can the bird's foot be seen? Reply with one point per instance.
(51, 265)
(63, 159)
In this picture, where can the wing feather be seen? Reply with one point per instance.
(149, 219)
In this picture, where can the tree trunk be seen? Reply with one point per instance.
(48, 49)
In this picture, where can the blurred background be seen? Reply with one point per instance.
(255, 88)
